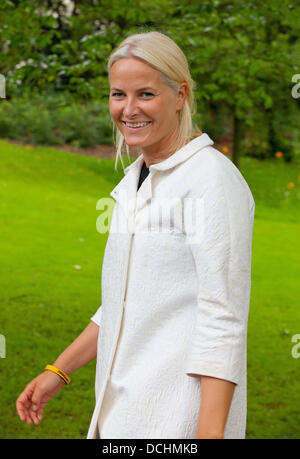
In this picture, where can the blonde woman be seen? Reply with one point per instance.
(170, 336)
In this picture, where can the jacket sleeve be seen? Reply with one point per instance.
(221, 248)
(97, 316)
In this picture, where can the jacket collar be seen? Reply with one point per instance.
(126, 190)
(178, 157)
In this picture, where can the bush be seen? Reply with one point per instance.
(262, 147)
(55, 119)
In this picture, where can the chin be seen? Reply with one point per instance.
(134, 142)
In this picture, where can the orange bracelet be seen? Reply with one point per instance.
(59, 372)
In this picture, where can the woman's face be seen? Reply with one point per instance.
(143, 106)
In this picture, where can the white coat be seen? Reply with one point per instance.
(175, 297)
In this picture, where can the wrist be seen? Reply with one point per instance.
(208, 435)
(61, 374)
(209, 428)
(63, 365)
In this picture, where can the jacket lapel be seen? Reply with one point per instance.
(125, 193)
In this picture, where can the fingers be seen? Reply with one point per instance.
(20, 408)
(31, 402)
(34, 417)
(37, 406)
(23, 403)
(29, 406)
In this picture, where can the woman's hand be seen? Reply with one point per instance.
(31, 402)
(37, 393)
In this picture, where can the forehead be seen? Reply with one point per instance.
(133, 73)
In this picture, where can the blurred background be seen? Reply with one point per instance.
(57, 161)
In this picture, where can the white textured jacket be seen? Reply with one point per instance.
(176, 280)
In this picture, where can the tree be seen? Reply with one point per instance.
(60, 52)
(243, 55)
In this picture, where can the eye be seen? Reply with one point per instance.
(117, 94)
(147, 95)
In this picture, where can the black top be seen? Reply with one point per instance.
(143, 174)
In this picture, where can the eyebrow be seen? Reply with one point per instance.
(140, 89)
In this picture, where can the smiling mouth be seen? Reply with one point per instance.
(136, 126)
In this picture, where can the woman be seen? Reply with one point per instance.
(171, 332)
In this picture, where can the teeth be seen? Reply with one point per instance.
(137, 124)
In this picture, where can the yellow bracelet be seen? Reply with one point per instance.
(59, 372)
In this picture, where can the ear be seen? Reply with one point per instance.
(181, 95)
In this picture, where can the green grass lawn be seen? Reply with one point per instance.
(48, 226)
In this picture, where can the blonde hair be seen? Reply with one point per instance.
(163, 54)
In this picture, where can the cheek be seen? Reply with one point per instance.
(163, 111)
(114, 110)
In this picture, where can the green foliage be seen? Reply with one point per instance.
(55, 118)
(242, 57)
(68, 52)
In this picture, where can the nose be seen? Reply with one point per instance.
(130, 108)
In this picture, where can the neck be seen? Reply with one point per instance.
(159, 151)
(155, 158)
